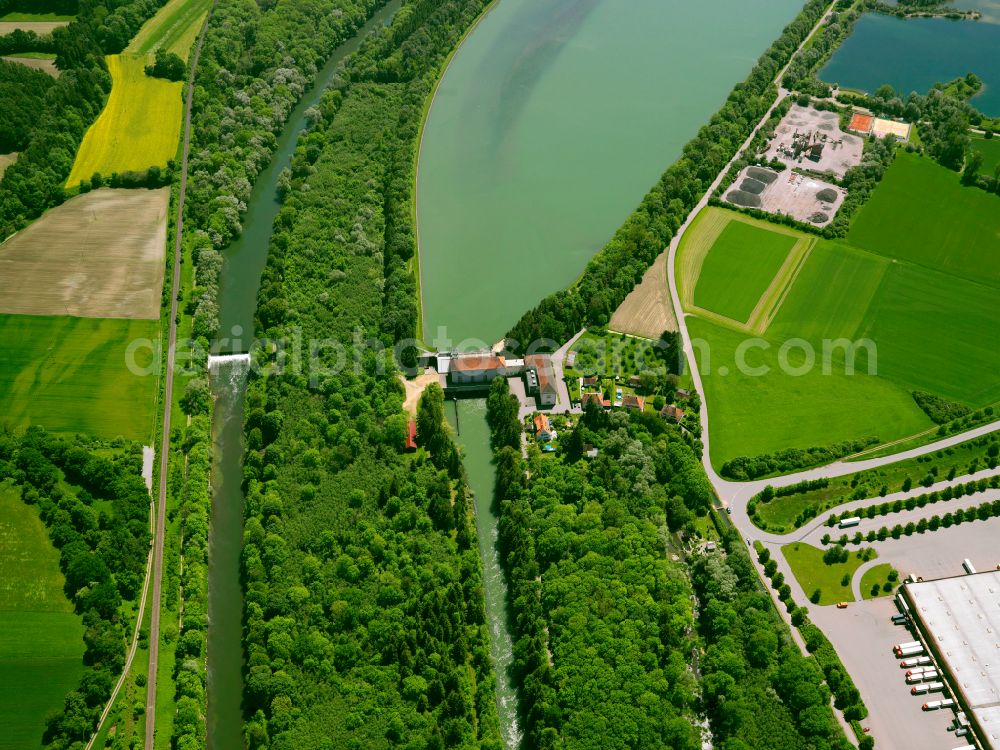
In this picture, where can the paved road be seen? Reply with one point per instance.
(161, 503)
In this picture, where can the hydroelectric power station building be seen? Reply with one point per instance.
(959, 621)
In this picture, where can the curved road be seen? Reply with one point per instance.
(161, 503)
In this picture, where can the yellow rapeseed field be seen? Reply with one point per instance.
(139, 128)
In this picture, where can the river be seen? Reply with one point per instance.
(244, 262)
(468, 418)
(915, 53)
(553, 120)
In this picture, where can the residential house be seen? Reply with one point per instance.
(546, 389)
(631, 401)
(671, 412)
(596, 398)
(411, 436)
(543, 428)
(591, 381)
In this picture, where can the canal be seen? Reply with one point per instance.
(244, 262)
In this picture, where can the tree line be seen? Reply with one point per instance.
(620, 265)
(96, 510)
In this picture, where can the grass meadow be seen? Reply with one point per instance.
(922, 213)
(812, 573)
(138, 128)
(990, 149)
(739, 268)
(752, 415)
(878, 576)
(41, 652)
(69, 375)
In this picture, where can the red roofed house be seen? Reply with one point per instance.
(631, 401)
(596, 398)
(548, 394)
(669, 411)
(543, 430)
(411, 436)
(481, 367)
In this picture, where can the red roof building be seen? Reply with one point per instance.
(631, 401)
(543, 429)
(669, 411)
(596, 398)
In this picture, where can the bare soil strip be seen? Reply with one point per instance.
(39, 27)
(647, 311)
(46, 66)
(99, 255)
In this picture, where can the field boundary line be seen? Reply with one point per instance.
(781, 286)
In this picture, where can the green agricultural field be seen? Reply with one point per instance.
(831, 294)
(939, 333)
(41, 651)
(70, 375)
(812, 573)
(751, 415)
(990, 149)
(739, 268)
(921, 213)
(175, 28)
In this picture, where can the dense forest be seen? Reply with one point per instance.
(23, 91)
(70, 104)
(255, 63)
(363, 611)
(617, 268)
(609, 649)
(95, 505)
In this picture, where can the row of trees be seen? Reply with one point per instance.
(745, 468)
(617, 268)
(102, 551)
(846, 695)
(59, 119)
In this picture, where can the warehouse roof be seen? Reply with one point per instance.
(960, 617)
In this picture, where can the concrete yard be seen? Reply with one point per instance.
(789, 193)
(864, 635)
(805, 128)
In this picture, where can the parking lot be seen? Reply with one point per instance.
(864, 635)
